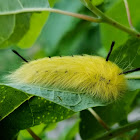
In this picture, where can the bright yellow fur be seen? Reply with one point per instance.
(83, 74)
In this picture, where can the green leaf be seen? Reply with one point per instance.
(111, 114)
(36, 129)
(33, 111)
(9, 102)
(70, 131)
(94, 2)
(84, 33)
(39, 130)
(97, 2)
(36, 109)
(35, 28)
(24, 28)
(70, 100)
(118, 12)
(51, 2)
(128, 54)
(59, 25)
(124, 56)
(8, 30)
(21, 27)
(9, 7)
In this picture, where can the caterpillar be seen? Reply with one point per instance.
(85, 74)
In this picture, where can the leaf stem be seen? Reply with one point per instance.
(102, 17)
(98, 118)
(109, 20)
(93, 9)
(33, 134)
(81, 16)
(128, 14)
(114, 133)
(136, 135)
(135, 77)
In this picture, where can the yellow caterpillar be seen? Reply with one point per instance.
(92, 75)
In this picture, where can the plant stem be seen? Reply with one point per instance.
(81, 16)
(136, 136)
(135, 77)
(99, 119)
(121, 27)
(102, 17)
(33, 134)
(114, 133)
(109, 20)
(93, 8)
(128, 14)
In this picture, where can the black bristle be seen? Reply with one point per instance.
(129, 71)
(20, 56)
(111, 48)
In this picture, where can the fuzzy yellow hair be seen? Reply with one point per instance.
(82, 74)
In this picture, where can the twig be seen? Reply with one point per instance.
(26, 10)
(128, 14)
(33, 134)
(109, 20)
(136, 136)
(102, 17)
(99, 119)
(117, 132)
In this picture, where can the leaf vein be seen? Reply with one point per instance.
(20, 4)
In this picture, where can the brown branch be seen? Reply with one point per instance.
(98, 118)
(136, 136)
(33, 134)
(119, 131)
(128, 14)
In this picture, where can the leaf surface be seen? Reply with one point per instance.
(74, 101)
(25, 26)
(118, 12)
(127, 58)
(19, 111)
